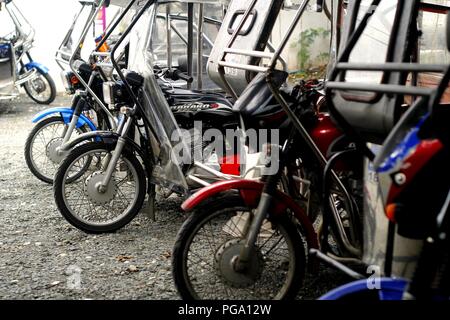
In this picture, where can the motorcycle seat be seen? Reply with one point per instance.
(258, 94)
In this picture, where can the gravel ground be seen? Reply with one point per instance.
(43, 257)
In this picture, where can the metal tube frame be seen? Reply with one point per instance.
(136, 101)
(75, 54)
(351, 248)
(168, 37)
(190, 45)
(59, 53)
(200, 47)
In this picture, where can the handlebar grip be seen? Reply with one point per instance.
(180, 75)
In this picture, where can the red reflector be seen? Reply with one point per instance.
(74, 80)
(230, 165)
(390, 211)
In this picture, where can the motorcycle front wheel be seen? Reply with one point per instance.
(41, 147)
(84, 204)
(41, 88)
(212, 237)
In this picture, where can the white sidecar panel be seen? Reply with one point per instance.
(7, 71)
(253, 36)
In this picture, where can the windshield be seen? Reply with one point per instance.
(167, 171)
(169, 38)
(23, 30)
(433, 46)
(376, 36)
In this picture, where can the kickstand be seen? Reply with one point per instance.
(150, 208)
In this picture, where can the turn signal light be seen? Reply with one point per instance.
(390, 211)
(74, 80)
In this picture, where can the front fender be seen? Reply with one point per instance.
(250, 192)
(389, 289)
(66, 114)
(111, 136)
(39, 66)
(87, 136)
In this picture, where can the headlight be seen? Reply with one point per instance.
(70, 81)
(108, 92)
(115, 94)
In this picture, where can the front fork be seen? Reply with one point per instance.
(112, 160)
(270, 188)
(78, 104)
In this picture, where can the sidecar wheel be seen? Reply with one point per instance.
(48, 94)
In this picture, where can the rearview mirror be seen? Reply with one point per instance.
(448, 31)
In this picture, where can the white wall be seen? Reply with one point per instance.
(309, 20)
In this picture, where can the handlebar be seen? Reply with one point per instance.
(178, 75)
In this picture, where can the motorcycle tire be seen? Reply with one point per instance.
(50, 83)
(214, 208)
(61, 183)
(47, 178)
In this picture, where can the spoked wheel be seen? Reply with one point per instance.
(85, 203)
(41, 88)
(42, 147)
(209, 242)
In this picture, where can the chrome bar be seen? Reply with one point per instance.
(391, 66)
(380, 88)
(168, 37)
(111, 118)
(288, 34)
(272, 50)
(70, 129)
(336, 264)
(198, 180)
(200, 47)
(213, 172)
(258, 54)
(221, 68)
(242, 66)
(26, 77)
(174, 28)
(117, 152)
(101, 54)
(190, 36)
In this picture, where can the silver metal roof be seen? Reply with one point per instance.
(124, 3)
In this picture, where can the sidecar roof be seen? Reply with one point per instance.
(124, 3)
(197, 1)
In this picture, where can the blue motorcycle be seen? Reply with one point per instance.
(17, 67)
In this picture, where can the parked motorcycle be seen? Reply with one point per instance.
(15, 71)
(226, 266)
(247, 239)
(411, 165)
(55, 127)
(145, 131)
(161, 137)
